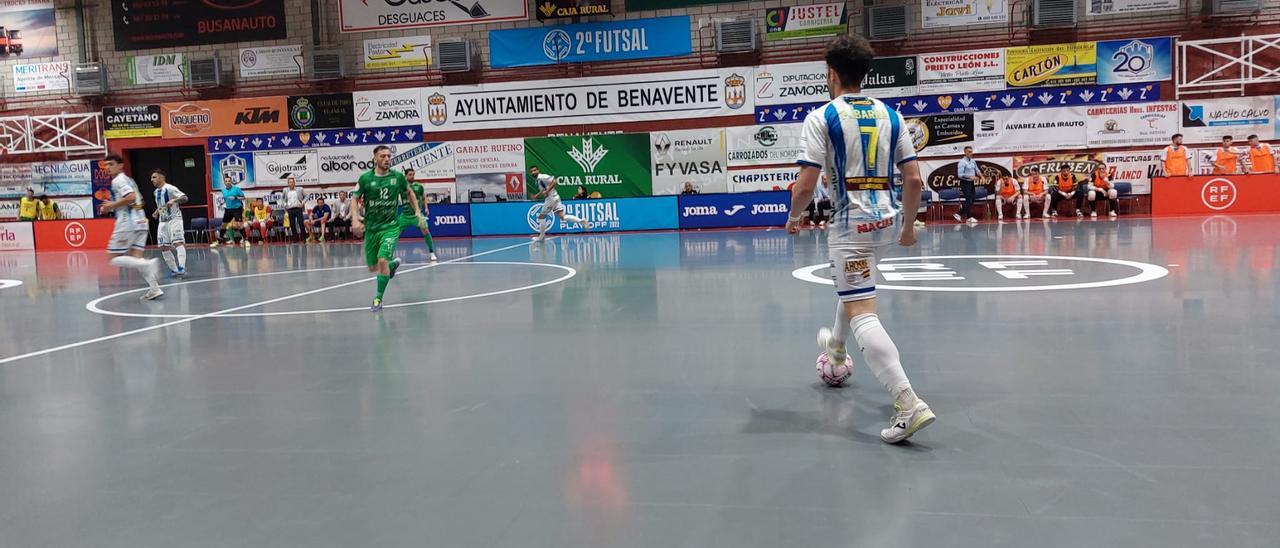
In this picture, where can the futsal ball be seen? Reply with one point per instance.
(834, 374)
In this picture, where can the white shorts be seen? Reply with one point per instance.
(851, 270)
(170, 233)
(1008, 200)
(552, 204)
(123, 241)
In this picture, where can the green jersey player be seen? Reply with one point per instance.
(379, 194)
(408, 219)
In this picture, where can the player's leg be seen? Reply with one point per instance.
(856, 316)
(164, 241)
(387, 263)
(323, 225)
(1021, 209)
(307, 226)
(1113, 202)
(426, 237)
(1078, 195)
(572, 218)
(128, 248)
(543, 225)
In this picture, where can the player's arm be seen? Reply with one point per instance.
(357, 209)
(912, 182)
(117, 204)
(417, 209)
(812, 160)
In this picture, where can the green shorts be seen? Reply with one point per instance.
(407, 221)
(380, 244)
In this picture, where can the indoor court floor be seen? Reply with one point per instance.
(1097, 383)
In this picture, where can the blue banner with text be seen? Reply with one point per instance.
(586, 42)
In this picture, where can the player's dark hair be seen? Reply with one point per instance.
(380, 148)
(850, 57)
(160, 172)
(113, 158)
(1175, 136)
(1227, 138)
(534, 166)
(968, 149)
(1252, 137)
(410, 170)
(1035, 170)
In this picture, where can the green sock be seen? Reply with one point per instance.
(382, 285)
(431, 246)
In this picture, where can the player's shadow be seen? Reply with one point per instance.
(839, 415)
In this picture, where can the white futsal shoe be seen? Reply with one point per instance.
(152, 294)
(906, 422)
(834, 354)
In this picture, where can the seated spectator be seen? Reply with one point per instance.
(341, 213)
(820, 208)
(1009, 191)
(233, 232)
(318, 216)
(48, 209)
(1100, 187)
(581, 194)
(1037, 193)
(1065, 188)
(29, 207)
(258, 216)
(688, 189)
(1261, 158)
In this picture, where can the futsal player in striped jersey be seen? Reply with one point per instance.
(169, 233)
(860, 143)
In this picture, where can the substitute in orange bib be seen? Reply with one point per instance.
(1037, 193)
(1176, 158)
(1009, 191)
(1226, 160)
(1261, 158)
(1100, 187)
(1064, 186)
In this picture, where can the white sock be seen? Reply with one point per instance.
(572, 219)
(168, 260)
(840, 333)
(882, 356)
(543, 224)
(181, 252)
(143, 266)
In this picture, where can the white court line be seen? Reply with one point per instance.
(12, 359)
(95, 305)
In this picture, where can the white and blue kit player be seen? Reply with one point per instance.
(862, 146)
(170, 235)
(547, 188)
(129, 238)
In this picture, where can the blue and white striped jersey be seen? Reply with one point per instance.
(163, 195)
(859, 142)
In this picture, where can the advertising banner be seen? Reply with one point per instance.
(589, 42)
(789, 23)
(275, 168)
(387, 108)
(771, 178)
(1135, 168)
(785, 114)
(976, 70)
(734, 210)
(343, 164)
(1129, 125)
(790, 83)
(75, 208)
(605, 99)
(397, 52)
(1080, 164)
(559, 9)
(144, 70)
(1026, 99)
(492, 187)
(370, 137)
(224, 117)
(1113, 7)
(330, 111)
(179, 23)
(35, 24)
(73, 235)
(131, 121)
(962, 13)
(66, 178)
(941, 131)
(764, 145)
(1216, 194)
(944, 174)
(9, 209)
(651, 213)
(616, 166)
(381, 15)
(1209, 120)
(1051, 65)
(891, 77)
(16, 236)
(271, 61)
(490, 156)
(238, 166)
(274, 196)
(42, 77)
(427, 160)
(1131, 61)
(1014, 131)
(694, 159)
(449, 220)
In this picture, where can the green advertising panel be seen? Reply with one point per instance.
(640, 5)
(616, 166)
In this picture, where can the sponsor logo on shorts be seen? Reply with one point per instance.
(874, 226)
